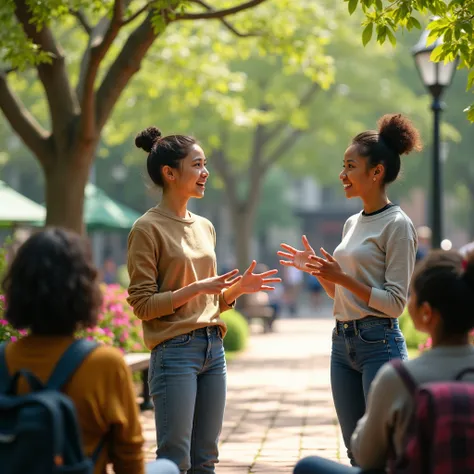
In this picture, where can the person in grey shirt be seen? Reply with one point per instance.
(369, 274)
(440, 305)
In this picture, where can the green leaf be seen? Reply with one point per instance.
(470, 112)
(438, 53)
(415, 23)
(367, 33)
(470, 80)
(352, 6)
(391, 37)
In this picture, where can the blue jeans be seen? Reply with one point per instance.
(187, 380)
(359, 349)
(317, 465)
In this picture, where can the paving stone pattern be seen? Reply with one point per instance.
(279, 406)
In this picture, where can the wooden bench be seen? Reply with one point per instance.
(139, 362)
(257, 306)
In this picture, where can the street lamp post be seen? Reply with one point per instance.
(436, 77)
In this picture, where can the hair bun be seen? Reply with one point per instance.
(147, 138)
(399, 134)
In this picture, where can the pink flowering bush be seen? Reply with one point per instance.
(427, 345)
(117, 326)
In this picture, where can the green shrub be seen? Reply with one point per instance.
(237, 331)
(413, 337)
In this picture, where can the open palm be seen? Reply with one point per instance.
(254, 282)
(297, 258)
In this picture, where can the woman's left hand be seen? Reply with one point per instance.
(326, 267)
(254, 282)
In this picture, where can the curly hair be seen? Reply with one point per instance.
(52, 285)
(396, 136)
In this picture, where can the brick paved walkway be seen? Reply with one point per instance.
(279, 405)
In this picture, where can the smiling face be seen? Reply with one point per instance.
(357, 179)
(190, 179)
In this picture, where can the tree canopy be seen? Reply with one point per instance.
(453, 21)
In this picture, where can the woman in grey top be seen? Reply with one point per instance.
(440, 304)
(369, 274)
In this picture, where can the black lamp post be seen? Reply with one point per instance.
(436, 78)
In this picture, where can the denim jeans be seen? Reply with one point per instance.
(359, 349)
(187, 380)
(317, 465)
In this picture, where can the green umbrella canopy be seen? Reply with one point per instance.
(103, 213)
(16, 208)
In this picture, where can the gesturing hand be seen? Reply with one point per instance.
(215, 285)
(297, 258)
(254, 282)
(326, 268)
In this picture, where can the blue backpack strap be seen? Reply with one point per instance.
(70, 362)
(5, 378)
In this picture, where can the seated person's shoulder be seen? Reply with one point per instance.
(103, 362)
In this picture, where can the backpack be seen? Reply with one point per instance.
(440, 435)
(39, 431)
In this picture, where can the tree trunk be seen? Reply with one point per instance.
(243, 227)
(65, 186)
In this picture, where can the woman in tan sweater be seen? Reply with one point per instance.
(52, 290)
(441, 301)
(176, 291)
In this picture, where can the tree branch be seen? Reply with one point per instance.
(101, 39)
(217, 14)
(62, 100)
(226, 23)
(135, 15)
(84, 22)
(281, 149)
(303, 102)
(126, 64)
(22, 122)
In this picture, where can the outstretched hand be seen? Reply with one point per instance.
(297, 258)
(215, 285)
(326, 268)
(253, 282)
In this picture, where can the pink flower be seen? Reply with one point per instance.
(3, 322)
(13, 339)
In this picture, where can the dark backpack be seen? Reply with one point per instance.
(440, 436)
(39, 431)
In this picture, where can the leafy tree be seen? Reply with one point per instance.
(117, 35)
(454, 22)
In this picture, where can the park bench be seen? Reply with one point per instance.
(257, 306)
(139, 362)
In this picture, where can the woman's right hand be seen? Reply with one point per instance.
(215, 285)
(297, 258)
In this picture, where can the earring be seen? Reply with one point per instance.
(375, 179)
(425, 317)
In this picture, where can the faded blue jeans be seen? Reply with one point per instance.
(187, 379)
(359, 349)
(318, 465)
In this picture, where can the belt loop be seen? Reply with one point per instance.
(356, 327)
(392, 323)
(337, 327)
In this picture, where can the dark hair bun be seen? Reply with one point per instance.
(399, 134)
(147, 138)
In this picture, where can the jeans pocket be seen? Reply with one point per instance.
(373, 334)
(178, 341)
(402, 347)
